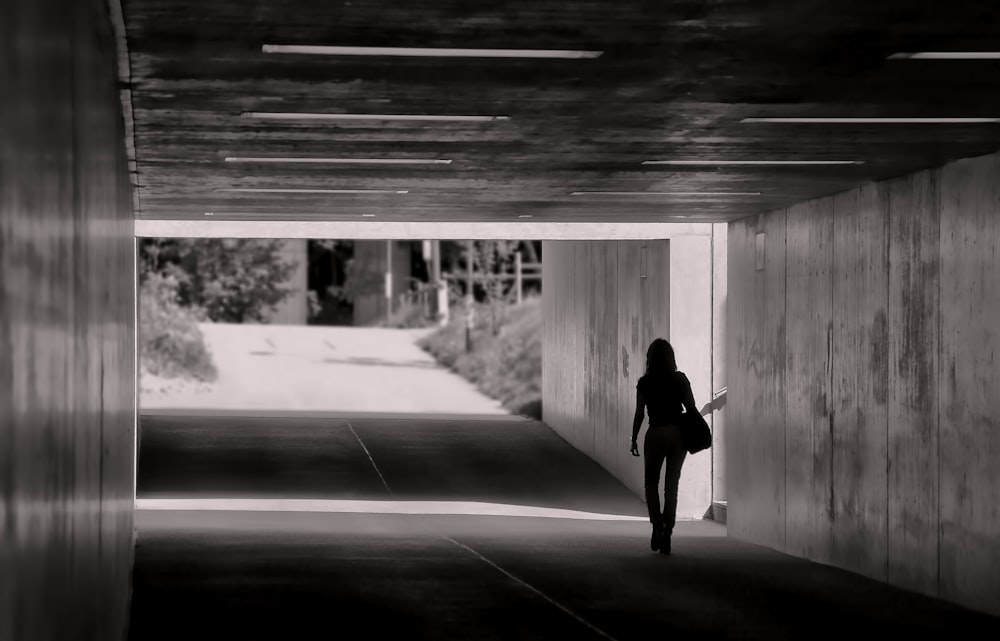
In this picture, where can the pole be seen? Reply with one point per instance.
(517, 275)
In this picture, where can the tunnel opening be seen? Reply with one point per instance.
(406, 340)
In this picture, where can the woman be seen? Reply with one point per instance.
(664, 391)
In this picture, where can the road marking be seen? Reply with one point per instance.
(532, 588)
(369, 454)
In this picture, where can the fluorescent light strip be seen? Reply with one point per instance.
(278, 115)
(752, 162)
(947, 55)
(360, 161)
(665, 193)
(429, 52)
(878, 121)
(314, 191)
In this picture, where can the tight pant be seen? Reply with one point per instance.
(663, 443)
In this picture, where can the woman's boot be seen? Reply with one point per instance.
(656, 537)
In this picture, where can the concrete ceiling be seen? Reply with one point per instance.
(674, 81)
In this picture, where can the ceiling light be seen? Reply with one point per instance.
(362, 161)
(429, 52)
(524, 216)
(368, 215)
(665, 193)
(947, 55)
(315, 191)
(879, 121)
(279, 115)
(752, 162)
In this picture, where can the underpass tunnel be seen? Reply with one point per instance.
(836, 316)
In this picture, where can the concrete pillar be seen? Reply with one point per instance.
(294, 310)
(719, 392)
(691, 336)
(370, 264)
(67, 309)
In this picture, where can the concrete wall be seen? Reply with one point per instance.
(294, 310)
(66, 326)
(599, 316)
(864, 413)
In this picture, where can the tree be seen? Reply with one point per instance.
(226, 280)
(494, 260)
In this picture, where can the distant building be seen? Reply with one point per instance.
(369, 264)
(320, 270)
(294, 310)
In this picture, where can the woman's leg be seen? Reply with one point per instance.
(654, 454)
(674, 453)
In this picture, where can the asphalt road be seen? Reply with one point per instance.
(351, 527)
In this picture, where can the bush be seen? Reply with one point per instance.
(508, 366)
(408, 315)
(170, 343)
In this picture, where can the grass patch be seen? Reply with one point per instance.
(506, 367)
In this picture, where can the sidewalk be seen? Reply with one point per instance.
(347, 369)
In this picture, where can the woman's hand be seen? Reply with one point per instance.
(635, 448)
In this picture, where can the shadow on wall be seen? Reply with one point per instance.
(714, 405)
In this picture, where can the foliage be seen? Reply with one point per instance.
(170, 343)
(494, 261)
(507, 365)
(231, 280)
(493, 269)
(415, 307)
(408, 314)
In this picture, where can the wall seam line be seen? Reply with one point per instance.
(784, 399)
(940, 259)
(887, 232)
(831, 412)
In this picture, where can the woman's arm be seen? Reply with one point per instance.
(640, 406)
(688, 396)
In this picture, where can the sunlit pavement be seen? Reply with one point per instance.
(360, 369)
(362, 526)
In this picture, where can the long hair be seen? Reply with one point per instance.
(660, 358)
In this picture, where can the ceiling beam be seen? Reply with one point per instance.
(360, 230)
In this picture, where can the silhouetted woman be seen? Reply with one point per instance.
(664, 391)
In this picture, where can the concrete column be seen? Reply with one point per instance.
(370, 264)
(67, 310)
(691, 336)
(719, 392)
(294, 310)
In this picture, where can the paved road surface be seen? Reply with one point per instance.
(360, 369)
(563, 553)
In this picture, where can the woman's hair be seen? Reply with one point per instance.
(660, 358)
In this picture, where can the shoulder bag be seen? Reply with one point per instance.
(695, 432)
